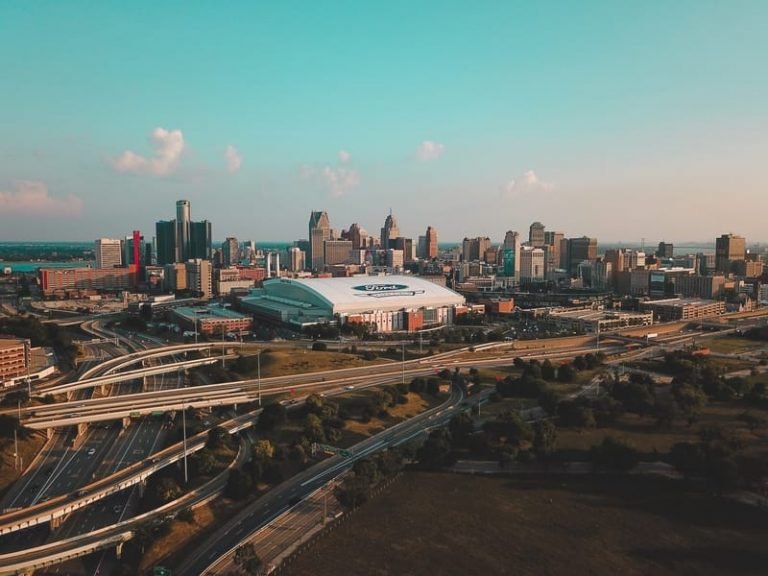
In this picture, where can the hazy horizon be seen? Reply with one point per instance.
(612, 120)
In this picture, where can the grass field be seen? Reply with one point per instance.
(280, 362)
(445, 524)
(28, 449)
(735, 345)
(643, 434)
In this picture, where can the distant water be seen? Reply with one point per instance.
(22, 267)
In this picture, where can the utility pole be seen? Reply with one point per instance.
(15, 450)
(403, 364)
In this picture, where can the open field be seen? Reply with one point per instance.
(28, 449)
(735, 345)
(300, 360)
(644, 435)
(450, 524)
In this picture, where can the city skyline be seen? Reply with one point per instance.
(616, 122)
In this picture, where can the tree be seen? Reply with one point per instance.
(247, 559)
(263, 450)
(548, 370)
(544, 438)
(565, 373)
(614, 455)
(274, 414)
(461, 427)
(314, 403)
(436, 452)
(239, 485)
(688, 459)
(313, 428)
(218, 437)
(319, 346)
(690, 400)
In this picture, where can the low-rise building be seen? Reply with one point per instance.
(594, 321)
(683, 309)
(211, 320)
(14, 358)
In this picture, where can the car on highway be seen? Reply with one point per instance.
(91, 451)
(350, 387)
(117, 508)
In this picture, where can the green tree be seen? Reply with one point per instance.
(239, 485)
(436, 451)
(313, 428)
(566, 373)
(544, 438)
(272, 415)
(247, 559)
(614, 455)
(263, 450)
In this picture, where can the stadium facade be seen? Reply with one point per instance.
(390, 303)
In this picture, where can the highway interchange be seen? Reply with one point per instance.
(69, 471)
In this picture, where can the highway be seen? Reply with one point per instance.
(278, 500)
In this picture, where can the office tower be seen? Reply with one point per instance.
(405, 245)
(510, 255)
(108, 253)
(135, 250)
(634, 259)
(337, 252)
(665, 250)
(296, 259)
(199, 277)
(200, 240)
(183, 218)
(552, 242)
(474, 248)
(536, 235)
(574, 251)
(230, 251)
(165, 236)
(531, 264)
(319, 232)
(389, 232)
(421, 248)
(729, 249)
(356, 235)
(431, 248)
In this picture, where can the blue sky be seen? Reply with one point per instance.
(619, 120)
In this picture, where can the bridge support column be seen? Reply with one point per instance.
(69, 395)
(126, 422)
(56, 522)
(82, 428)
(119, 550)
(49, 433)
(142, 488)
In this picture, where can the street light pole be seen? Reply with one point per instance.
(258, 374)
(184, 429)
(194, 310)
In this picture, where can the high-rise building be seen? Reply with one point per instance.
(199, 277)
(337, 252)
(536, 235)
(319, 232)
(510, 255)
(183, 219)
(134, 246)
(200, 240)
(165, 237)
(296, 259)
(729, 249)
(108, 253)
(552, 242)
(574, 251)
(389, 232)
(230, 252)
(665, 250)
(473, 249)
(531, 264)
(431, 243)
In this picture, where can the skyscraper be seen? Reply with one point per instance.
(511, 255)
(552, 242)
(431, 246)
(165, 237)
(183, 217)
(729, 249)
(536, 235)
(576, 251)
(108, 253)
(199, 240)
(230, 251)
(389, 232)
(319, 232)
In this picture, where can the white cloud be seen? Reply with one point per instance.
(234, 159)
(168, 146)
(340, 179)
(344, 156)
(31, 197)
(528, 183)
(429, 150)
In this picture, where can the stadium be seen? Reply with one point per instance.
(390, 303)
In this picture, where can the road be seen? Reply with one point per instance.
(259, 513)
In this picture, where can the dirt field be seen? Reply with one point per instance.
(28, 449)
(281, 362)
(443, 524)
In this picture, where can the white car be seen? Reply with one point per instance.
(91, 451)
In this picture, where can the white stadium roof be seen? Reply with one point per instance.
(359, 294)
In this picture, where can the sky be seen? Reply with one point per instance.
(618, 120)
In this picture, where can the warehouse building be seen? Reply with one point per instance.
(390, 303)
